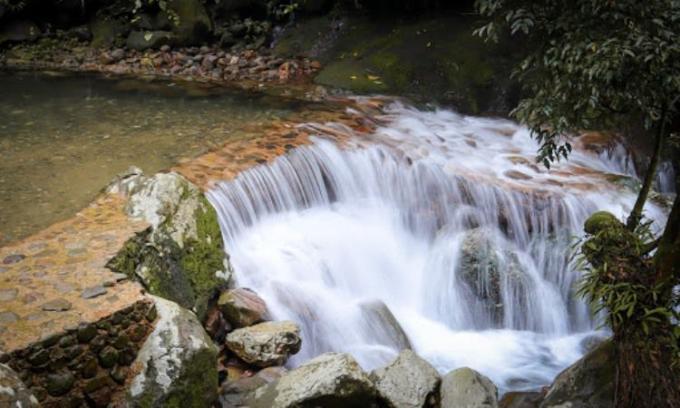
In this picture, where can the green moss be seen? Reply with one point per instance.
(204, 256)
(197, 386)
(127, 259)
(600, 221)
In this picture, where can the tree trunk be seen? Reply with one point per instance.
(667, 258)
(636, 214)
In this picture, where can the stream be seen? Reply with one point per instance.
(439, 233)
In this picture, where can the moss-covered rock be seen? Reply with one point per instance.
(193, 23)
(181, 256)
(433, 59)
(178, 363)
(588, 383)
(601, 221)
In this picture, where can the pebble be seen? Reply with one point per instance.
(63, 287)
(14, 258)
(93, 292)
(8, 294)
(8, 317)
(57, 305)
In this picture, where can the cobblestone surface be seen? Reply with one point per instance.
(54, 280)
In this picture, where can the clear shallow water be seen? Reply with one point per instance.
(62, 138)
(365, 247)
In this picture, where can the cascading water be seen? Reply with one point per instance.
(439, 233)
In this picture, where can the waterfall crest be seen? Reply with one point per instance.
(438, 233)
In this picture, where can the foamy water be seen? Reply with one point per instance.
(365, 246)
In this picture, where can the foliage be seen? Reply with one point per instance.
(162, 5)
(13, 5)
(596, 63)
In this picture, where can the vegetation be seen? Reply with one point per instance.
(603, 64)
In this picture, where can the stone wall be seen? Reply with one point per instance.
(87, 365)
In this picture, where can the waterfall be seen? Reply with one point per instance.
(437, 233)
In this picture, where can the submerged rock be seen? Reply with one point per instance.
(465, 387)
(181, 256)
(329, 380)
(242, 307)
(13, 392)
(588, 383)
(177, 363)
(485, 268)
(384, 327)
(265, 344)
(408, 382)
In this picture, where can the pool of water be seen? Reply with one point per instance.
(64, 137)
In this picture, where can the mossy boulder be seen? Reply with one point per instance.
(177, 363)
(181, 255)
(600, 221)
(588, 383)
(193, 24)
(108, 31)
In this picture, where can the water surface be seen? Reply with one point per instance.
(63, 138)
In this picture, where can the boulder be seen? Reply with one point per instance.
(265, 344)
(467, 388)
(384, 327)
(13, 392)
(329, 380)
(108, 31)
(19, 31)
(177, 364)
(143, 40)
(181, 256)
(192, 24)
(588, 383)
(242, 307)
(484, 268)
(408, 382)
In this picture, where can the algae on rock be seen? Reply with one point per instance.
(181, 255)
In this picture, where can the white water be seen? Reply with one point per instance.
(324, 235)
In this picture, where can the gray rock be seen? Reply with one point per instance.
(329, 380)
(485, 269)
(57, 305)
(181, 256)
(93, 292)
(242, 307)
(128, 181)
(177, 362)
(13, 393)
(408, 382)
(265, 344)
(588, 383)
(467, 388)
(384, 327)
